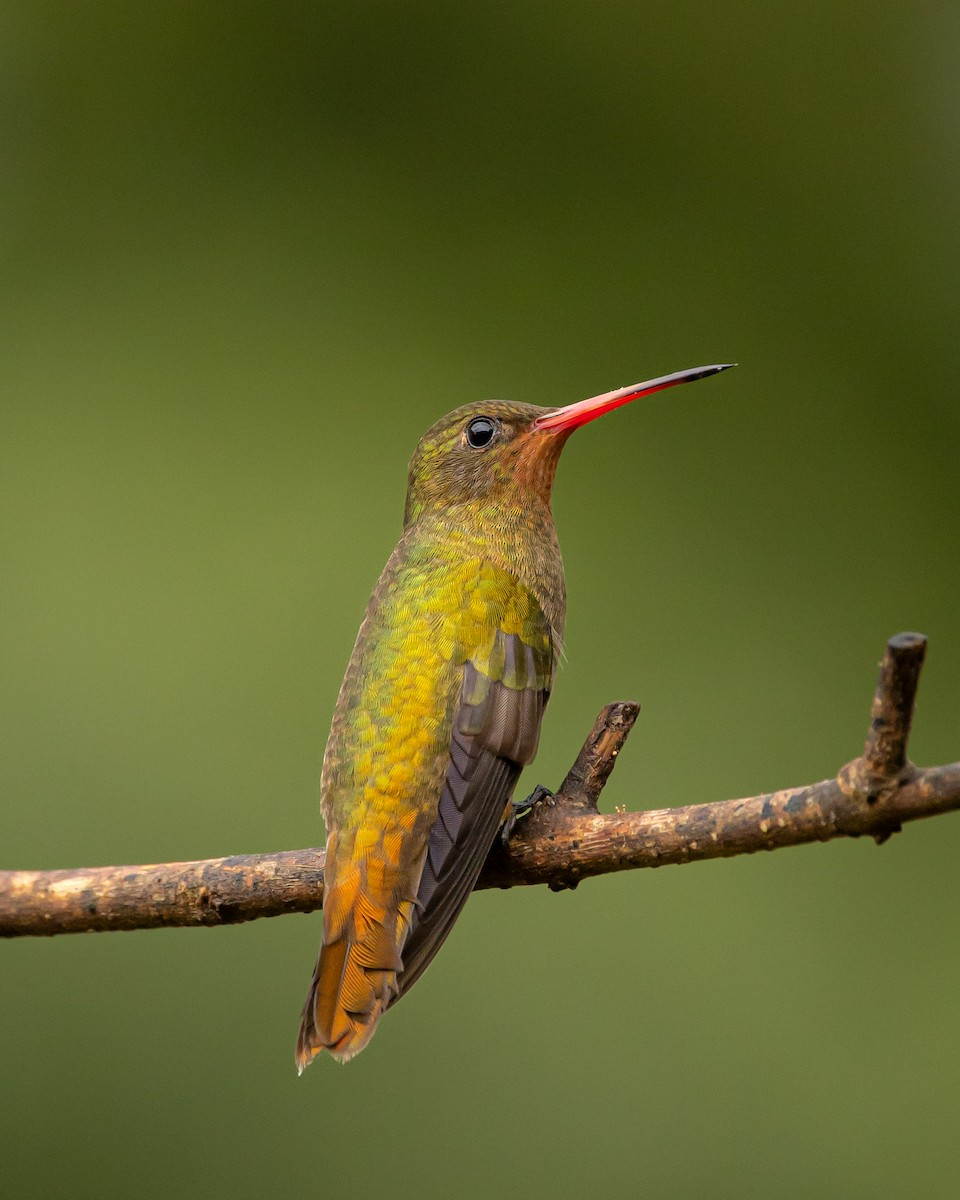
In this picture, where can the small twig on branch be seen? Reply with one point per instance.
(563, 840)
(885, 754)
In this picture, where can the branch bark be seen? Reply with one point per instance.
(563, 839)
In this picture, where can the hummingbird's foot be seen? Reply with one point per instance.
(522, 808)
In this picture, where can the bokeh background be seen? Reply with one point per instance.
(250, 251)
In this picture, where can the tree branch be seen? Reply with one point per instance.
(562, 840)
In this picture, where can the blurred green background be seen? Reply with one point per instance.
(250, 251)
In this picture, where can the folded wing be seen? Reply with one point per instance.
(495, 732)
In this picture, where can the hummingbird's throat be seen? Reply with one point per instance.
(535, 460)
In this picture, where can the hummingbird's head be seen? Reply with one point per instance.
(494, 453)
(484, 453)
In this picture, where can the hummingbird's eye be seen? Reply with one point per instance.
(480, 432)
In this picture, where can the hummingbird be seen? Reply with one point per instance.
(442, 701)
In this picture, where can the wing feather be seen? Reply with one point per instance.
(495, 733)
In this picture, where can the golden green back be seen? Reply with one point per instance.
(433, 610)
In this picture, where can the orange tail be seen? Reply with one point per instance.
(365, 923)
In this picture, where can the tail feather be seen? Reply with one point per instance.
(355, 978)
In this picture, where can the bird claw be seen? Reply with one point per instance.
(522, 808)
